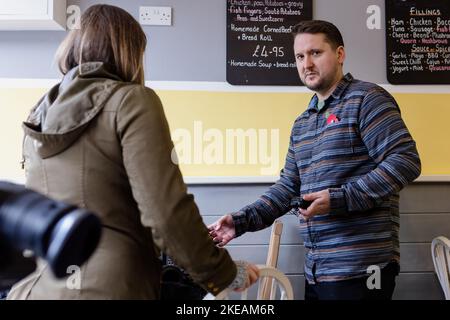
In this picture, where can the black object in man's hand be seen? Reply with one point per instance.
(304, 204)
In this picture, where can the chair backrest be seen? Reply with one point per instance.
(279, 280)
(272, 259)
(440, 251)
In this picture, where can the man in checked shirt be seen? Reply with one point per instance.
(350, 153)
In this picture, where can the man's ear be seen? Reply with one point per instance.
(340, 51)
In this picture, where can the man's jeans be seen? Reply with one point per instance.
(355, 289)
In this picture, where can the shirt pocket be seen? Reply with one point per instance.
(336, 141)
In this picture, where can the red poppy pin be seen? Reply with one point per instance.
(332, 119)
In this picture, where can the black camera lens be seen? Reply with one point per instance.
(72, 241)
(60, 233)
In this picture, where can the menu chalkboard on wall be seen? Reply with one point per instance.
(260, 42)
(418, 41)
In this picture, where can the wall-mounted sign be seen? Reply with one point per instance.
(418, 41)
(260, 42)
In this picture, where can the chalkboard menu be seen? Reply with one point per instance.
(260, 42)
(418, 41)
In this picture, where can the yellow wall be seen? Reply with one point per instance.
(427, 116)
(14, 107)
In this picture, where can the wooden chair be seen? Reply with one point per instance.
(279, 280)
(440, 251)
(271, 278)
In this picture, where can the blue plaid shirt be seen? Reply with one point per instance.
(358, 147)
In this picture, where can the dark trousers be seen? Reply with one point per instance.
(355, 289)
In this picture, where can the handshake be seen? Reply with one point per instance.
(222, 231)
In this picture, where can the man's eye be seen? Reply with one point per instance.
(300, 57)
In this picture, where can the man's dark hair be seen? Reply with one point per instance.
(332, 34)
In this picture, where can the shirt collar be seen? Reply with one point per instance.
(342, 85)
(337, 93)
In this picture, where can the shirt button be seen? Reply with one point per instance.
(210, 285)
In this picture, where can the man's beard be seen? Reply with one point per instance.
(323, 84)
(320, 85)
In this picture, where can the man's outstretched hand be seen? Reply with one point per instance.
(222, 231)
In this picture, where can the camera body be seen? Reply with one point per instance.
(60, 233)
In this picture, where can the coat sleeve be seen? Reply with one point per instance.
(161, 194)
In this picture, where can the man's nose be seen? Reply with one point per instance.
(308, 62)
